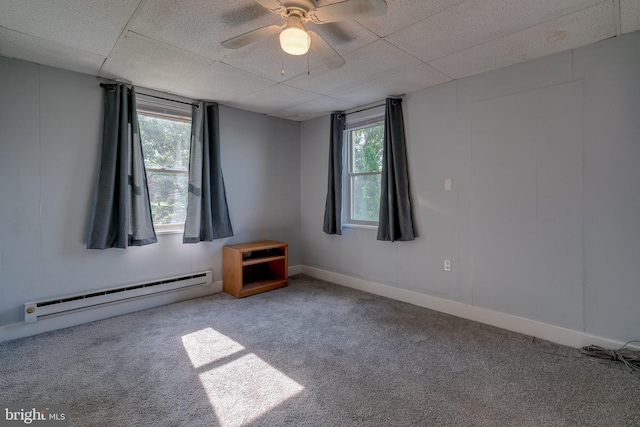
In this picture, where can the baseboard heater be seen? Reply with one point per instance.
(55, 307)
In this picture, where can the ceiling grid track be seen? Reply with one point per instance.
(124, 32)
(618, 17)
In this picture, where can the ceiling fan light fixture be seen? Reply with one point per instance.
(294, 39)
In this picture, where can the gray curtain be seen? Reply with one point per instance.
(396, 220)
(207, 210)
(333, 204)
(121, 214)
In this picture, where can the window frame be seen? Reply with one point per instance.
(348, 174)
(166, 110)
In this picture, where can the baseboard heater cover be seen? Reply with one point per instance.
(34, 311)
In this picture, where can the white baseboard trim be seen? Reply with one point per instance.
(296, 269)
(216, 288)
(22, 329)
(556, 334)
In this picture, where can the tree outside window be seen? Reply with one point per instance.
(364, 173)
(166, 144)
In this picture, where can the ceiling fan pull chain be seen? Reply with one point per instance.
(282, 56)
(308, 62)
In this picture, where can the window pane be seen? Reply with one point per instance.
(366, 146)
(365, 200)
(165, 142)
(168, 193)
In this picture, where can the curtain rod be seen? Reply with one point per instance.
(107, 85)
(394, 99)
(364, 109)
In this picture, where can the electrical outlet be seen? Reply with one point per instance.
(447, 265)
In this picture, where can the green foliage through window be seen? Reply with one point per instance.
(365, 168)
(165, 143)
(367, 149)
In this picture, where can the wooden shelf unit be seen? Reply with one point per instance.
(251, 268)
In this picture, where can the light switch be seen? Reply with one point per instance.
(447, 184)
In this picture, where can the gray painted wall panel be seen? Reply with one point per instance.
(611, 71)
(260, 164)
(432, 152)
(503, 203)
(527, 203)
(20, 158)
(314, 153)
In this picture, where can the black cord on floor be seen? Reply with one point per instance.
(630, 357)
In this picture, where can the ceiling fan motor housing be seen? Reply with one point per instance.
(305, 5)
(295, 13)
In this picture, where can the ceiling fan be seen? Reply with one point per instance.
(295, 39)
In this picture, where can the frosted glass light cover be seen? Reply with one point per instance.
(295, 41)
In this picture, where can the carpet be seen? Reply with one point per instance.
(311, 354)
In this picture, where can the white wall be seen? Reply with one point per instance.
(544, 218)
(50, 142)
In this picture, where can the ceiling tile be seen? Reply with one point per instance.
(265, 58)
(322, 105)
(570, 31)
(402, 13)
(93, 26)
(200, 25)
(275, 98)
(223, 83)
(370, 62)
(405, 81)
(345, 36)
(474, 22)
(29, 48)
(149, 63)
(630, 15)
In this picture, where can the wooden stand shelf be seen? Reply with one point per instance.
(251, 268)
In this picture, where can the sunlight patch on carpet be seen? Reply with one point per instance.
(207, 346)
(240, 388)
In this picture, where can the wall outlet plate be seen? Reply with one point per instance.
(447, 265)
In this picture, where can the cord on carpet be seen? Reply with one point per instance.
(631, 358)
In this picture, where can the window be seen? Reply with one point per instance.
(165, 143)
(364, 171)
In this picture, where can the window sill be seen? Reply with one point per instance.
(171, 231)
(363, 226)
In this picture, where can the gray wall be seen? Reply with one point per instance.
(50, 125)
(544, 218)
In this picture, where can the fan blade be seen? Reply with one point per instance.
(251, 37)
(350, 9)
(327, 54)
(272, 6)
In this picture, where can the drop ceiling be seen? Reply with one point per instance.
(174, 46)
